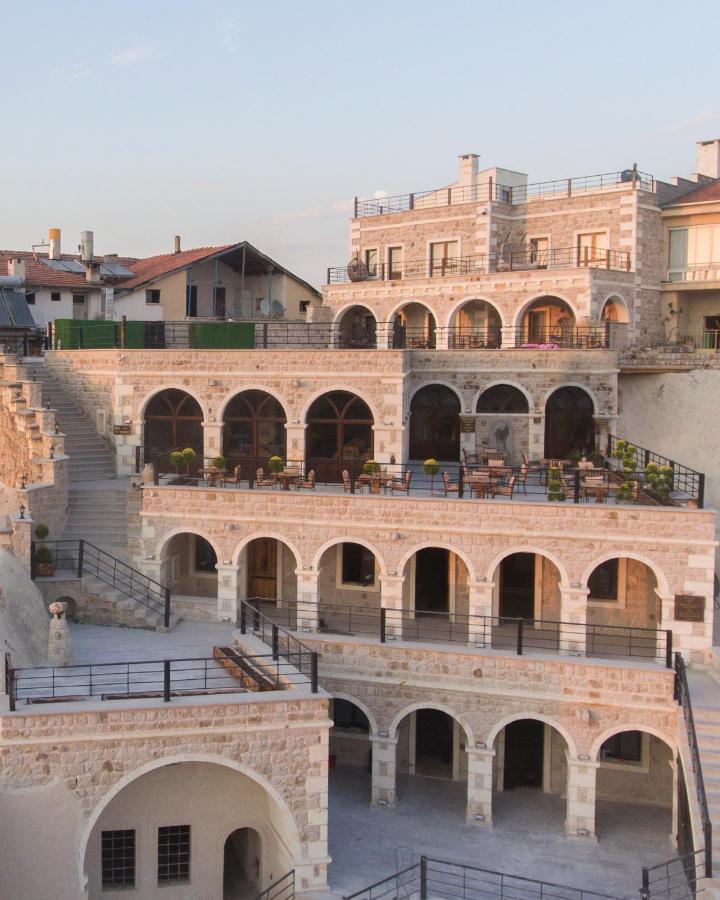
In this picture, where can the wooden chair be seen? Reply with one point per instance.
(471, 459)
(232, 479)
(401, 484)
(506, 490)
(212, 475)
(262, 481)
(307, 484)
(533, 465)
(451, 487)
(522, 478)
(493, 454)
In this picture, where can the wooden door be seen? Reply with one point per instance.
(262, 568)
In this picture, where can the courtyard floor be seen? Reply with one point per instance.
(528, 836)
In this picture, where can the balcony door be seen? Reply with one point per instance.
(444, 258)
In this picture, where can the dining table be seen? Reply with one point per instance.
(287, 477)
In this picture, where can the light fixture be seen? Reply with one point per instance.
(57, 430)
(23, 481)
(22, 510)
(480, 745)
(384, 734)
(52, 451)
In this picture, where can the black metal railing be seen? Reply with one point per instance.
(677, 879)
(442, 878)
(83, 558)
(506, 260)
(282, 889)
(563, 337)
(26, 342)
(685, 482)
(280, 640)
(682, 695)
(490, 190)
(494, 632)
(233, 672)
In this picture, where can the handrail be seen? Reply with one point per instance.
(675, 879)
(682, 695)
(262, 625)
(282, 889)
(684, 479)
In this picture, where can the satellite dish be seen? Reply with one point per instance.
(357, 270)
(277, 308)
(265, 307)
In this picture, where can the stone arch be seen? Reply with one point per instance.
(330, 389)
(273, 535)
(254, 428)
(524, 307)
(538, 717)
(663, 586)
(173, 386)
(440, 707)
(442, 545)
(165, 539)
(575, 384)
(254, 386)
(459, 304)
(621, 307)
(420, 387)
(569, 421)
(400, 306)
(152, 765)
(511, 383)
(419, 328)
(514, 396)
(631, 726)
(356, 328)
(434, 422)
(527, 548)
(348, 539)
(362, 706)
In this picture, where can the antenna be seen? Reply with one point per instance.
(277, 308)
(265, 308)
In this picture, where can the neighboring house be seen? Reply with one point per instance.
(231, 281)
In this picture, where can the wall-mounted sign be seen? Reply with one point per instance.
(689, 608)
(122, 429)
(467, 424)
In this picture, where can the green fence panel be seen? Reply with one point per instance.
(135, 335)
(222, 335)
(72, 334)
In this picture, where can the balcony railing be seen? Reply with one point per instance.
(709, 271)
(511, 194)
(524, 260)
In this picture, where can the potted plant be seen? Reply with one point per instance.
(43, 555)
(219, 463)
(626, 454)
(176, 460)
(189, 456)
(372, 468)
(660, 480)
(431, 467)
(276, 464)
(555, 486)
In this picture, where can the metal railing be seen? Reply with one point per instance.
(685, 481)
(282, 889)
(707, 271)
(483, 264)
(283, 643)
(162, 678)
(494, 632)
(442, 878)
(490, 190)
(83, 558)
(682, 695)
(676, 879)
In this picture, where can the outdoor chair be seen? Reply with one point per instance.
(451, 487)
(212, 475)
(506, 490)
(401, 484)
(532, 465)
(471, 459)
(522, 478)
(307, 484)
(346, 481)
(232, 479)
(492, 454)
(261, 480)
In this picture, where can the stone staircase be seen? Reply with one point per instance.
(110, 606)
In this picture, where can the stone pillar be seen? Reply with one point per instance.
(468, 440)
(59, 645)
(391, 599)
(480, 603)
(479, 787)
(581, 780)
(295, 432)
(384, 770)
(228, 599)
(536, 436)
(508, 337)
(384, 335)
(212, 439)
(307, 599)
(573, 638)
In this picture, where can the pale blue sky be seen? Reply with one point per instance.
(226, 121)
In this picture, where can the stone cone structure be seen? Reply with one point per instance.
(59, 643)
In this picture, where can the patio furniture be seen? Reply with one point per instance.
(307, 484)
(261, 480)
(211, 474)
(400, 484)
(481, 485)
(533, 465)
(232, 479)
(450, 487)
(288, 477)
(471, 459)
(522, 478)
(594, 487)
(506, 490)
(493, 454)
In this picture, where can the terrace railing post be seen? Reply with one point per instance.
(383, 625)
(243, 619)
(33, 562)
(449, 190)
(265, 335)
(166, 680)
(569, 187)
(327, 280)
(355, 207)
(669, 649)
(156, 470)
(701, 491)
(576, 487)
(123, 332)
(645, 889)
(275, 652)
(81, 557)
(314, 672)
(80, 338)
(411, 201)
(708, 850)
(167, 608)
(461, 483)
(423, 878)
(519, 637)
(11, 689)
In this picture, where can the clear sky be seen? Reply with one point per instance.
(227, 121)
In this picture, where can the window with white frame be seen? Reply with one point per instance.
(173, 854)
(591, 247)
(693, 248)
(371, 262)
(444, 257)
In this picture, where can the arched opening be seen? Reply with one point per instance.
(615, 311)
(414, 328)
(253, 431)
(189, 568)
(476, 324)
(167, 831)
(569, 423)
(339, 434)
(527, 586)
(350, 753)
(435, 597)
(268, 579)
(242, 856)
(622, 601)
(435, 424)
(548, 320)
(349, 590)
(636, 769)
(530, 775)
(357, 329)
(173, 421)
(503, 424)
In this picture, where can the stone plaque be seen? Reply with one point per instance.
(689, 608)
(122, 429)
(467, 424)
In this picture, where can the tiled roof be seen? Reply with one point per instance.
(37, 274)
(152, 267)
(706, 193)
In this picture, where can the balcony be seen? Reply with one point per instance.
(692, 274)
(525, 260)
(511, 194)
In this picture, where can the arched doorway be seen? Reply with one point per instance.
(349, 590)
(527, 587)
(414, 328)
(435, 424)
(350, 753)
(268, 580)
(476, 324)
(242, 854)
(173, 421)
(189, 565)
(504, 424)
(548, 320)
(253, 431)
(339, 435)
(569, 423)
(435, 597)
(357, 329)
(615, 310)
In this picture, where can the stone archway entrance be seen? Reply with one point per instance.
(569, 423)
(435, 424)
(242, 856)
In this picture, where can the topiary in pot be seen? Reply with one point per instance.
(189, 456)
(371, 467)
(218, 462)
(431, 467)
(276, 464)
(43, 555)
(626, 454)
(176, 460)
(660, 479)
(555, 486)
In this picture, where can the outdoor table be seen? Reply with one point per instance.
(286, 477)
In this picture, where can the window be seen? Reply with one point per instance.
(539, 252)
(173, 853)
(78, 298)
(692, 248)
(55, 296)
(603, 583)
(191, 300)
(371, 262)
(304, 306)
(152, 295)
(358, 565)
(30, 298)
(220, 306)
(443, 257)
(591, 248)
(624, 747)
(118, 858)
(205, 556)
(395, 261)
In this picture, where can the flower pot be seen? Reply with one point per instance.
(374, 485)
(45, 570)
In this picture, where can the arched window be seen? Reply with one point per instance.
(569, 423)
(502, 398)
(435, 424)
(254, 428)
(358, 329)
(339, 433)
(173, 421)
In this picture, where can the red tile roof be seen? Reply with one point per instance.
(705, 193)
(152, 267)
(37, 274)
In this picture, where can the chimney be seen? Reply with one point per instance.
(177, 243)
(54, 241)
(110, 259)
(708, 158)
(16, 267)
(468, 168)
(86, 246)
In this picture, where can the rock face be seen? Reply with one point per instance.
(24, 624)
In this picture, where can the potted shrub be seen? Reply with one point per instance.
(219, 463)
(276, 464)
(660, 480)
(431, 467)
(44, 564)
(372, 468)
(626, 454)
(555, 486)
(176, 460)
(189, 456)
